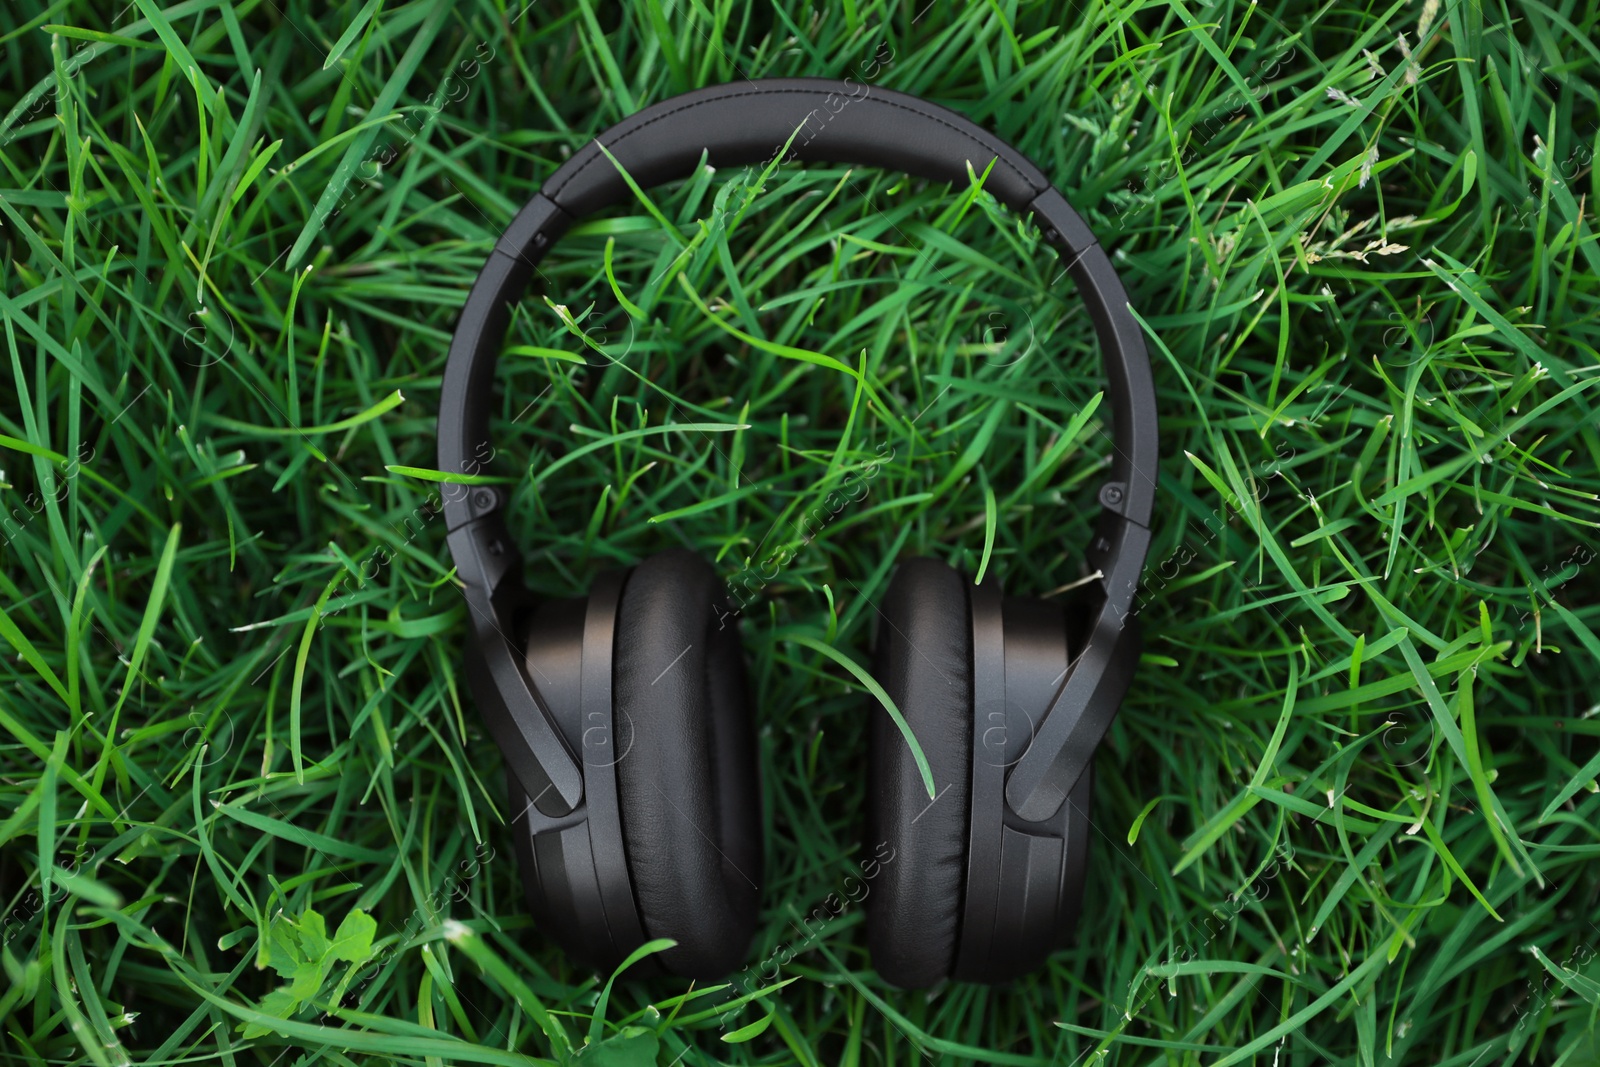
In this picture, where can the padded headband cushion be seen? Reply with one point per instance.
(923, 661)
(687, 785)
(829, 121)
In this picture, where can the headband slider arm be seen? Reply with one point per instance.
(1082, 711)
(534, 751)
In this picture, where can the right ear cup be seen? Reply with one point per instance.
(688, 786)
(923, 660)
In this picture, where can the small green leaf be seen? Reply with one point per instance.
(277, 1003)
(632, 1046)
(306, 981)
(313, 935)
(353, 941)
(283, 947)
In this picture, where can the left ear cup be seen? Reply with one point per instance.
(923, 660)
(687, 783)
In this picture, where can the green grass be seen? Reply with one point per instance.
(1348, 813)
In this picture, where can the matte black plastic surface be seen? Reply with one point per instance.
(553, 657)
(468, 387)
(1023, 879)
(607, 744)
(512, 709)
(1089, 696)
(1130, 387)
(991, 724)
(556, 853)
(1075, 816)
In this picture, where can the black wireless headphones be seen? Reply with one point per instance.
(622, 717)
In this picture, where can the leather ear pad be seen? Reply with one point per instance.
(923, 660)
(687, 788)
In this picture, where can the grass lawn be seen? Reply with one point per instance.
(1348, 813)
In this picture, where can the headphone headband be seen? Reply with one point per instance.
(739, 125)
(747, 123)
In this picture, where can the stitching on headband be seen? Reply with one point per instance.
(553, 194)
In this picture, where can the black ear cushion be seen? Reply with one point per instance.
(687, 787)
(923, 660)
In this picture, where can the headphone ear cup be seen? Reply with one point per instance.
(923, 660)
(688, 785)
